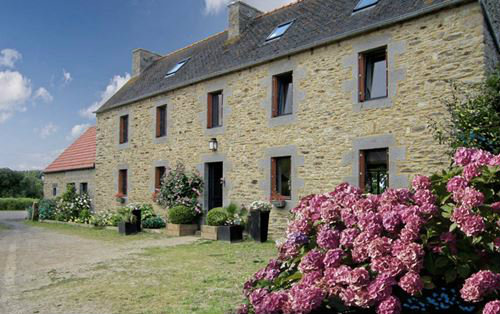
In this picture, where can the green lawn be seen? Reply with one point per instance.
(204, 278)
(94, 233)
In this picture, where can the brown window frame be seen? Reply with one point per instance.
(274, 179)
(161, 121)
(277, 81)
(159, 173)
(363, 167)
(362, 58)
(124, 123)
(210, 108)
(123, 181)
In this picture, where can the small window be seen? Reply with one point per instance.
(373, 74)
(84, 188)
(281, 177)
(282, 94)
(161, 121)
(159, 174)
(363, 4)
(54, 189)
(279, 31)
(176, 68)
(374, 170)
(122, 181)
(214, 109)
(123, 129)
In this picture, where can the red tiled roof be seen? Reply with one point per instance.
(80, 155)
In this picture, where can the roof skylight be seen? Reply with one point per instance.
(363, 4)
(279, 31)
(176, 68)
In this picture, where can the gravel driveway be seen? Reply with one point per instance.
(31, 257)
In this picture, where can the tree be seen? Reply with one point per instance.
(474, 116)
(20, 183)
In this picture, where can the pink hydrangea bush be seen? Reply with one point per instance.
(346, 249)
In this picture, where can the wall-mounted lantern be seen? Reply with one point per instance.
(213, 145)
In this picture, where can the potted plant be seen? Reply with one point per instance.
(180, 221)
(216, 218)
(278, 200)
(259, 220)
(128, 222)
(120, 197)
(232, 231)
(136, 209)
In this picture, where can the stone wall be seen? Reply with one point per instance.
(492, 33)
(327, 126)
(62, 179)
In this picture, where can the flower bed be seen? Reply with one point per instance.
(346, 251)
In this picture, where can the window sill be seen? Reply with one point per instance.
(373, 103)
(283, 115)
(123, 145)
(376, 98)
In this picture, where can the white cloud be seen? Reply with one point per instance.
(47, 130)
(66, 77)
(77, 130)
(43, 94)
(15, 90)
(114, 85)
(8, 57)
(215, 6)
(37, 161)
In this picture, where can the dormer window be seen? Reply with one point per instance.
(363, 4)
(176, 68)
(279, 31)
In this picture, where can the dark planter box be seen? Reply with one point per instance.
(230, 233)
(138, 223)
(259, 225)
(127, 228)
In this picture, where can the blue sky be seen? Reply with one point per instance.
(60, 59)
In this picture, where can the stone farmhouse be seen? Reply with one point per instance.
(75, 166)
(295, 101)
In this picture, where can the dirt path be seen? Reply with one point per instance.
(31, 257)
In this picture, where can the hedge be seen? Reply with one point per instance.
(11, 203)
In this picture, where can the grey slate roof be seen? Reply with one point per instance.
(316, 22)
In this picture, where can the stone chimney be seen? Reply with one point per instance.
(141, 59)
(240, 15)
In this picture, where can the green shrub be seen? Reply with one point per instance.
(73, 207)
(47, 209)
(181, 215)
(125, 214)
(217, 217)
(153, 223)
(473, 116)
(11, 203)
(104, 218)
(181, 187)
(147, 210)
